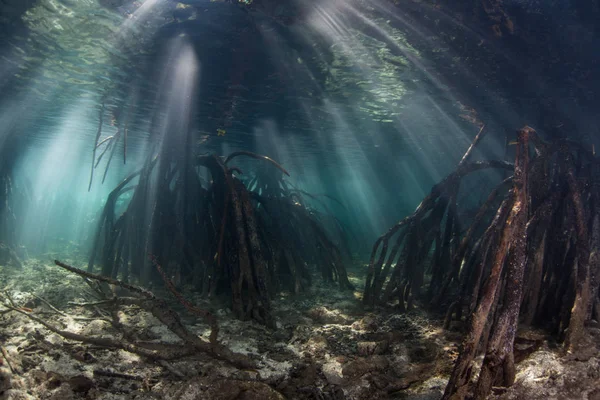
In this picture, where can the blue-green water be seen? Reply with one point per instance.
(369, 101)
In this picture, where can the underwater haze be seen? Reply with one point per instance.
(372, 101)
(372, 184)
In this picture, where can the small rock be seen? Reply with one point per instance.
(259, 391)
(13, 394)
(317, 344)
(379, 381)
(94, 327)
(593, 324)
(333, 373)
(304, 374)
(81, 384)
(5, 381)
(229, 389)
(247, 375)
(55, 340)
(84, 356)
(283, 335)
(325, 316)
(63, 393)
(425, 352)
(54, 380)
(594, 395)
(372, 348)
(361, 366)
(367, 323)
(594, 332)
(38, 376)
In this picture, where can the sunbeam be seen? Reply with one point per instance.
(59, 206)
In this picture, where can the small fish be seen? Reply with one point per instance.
(221, 132)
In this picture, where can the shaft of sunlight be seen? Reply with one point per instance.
(140, 15)
(61, 211)
(183, 69)
(428, 123)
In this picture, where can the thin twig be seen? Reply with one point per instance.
(258, 157)
(104, 140)
(7, 359)
(95, 145)
(108, 146)
(472, 146)
(92, 304)
(136, 289)
(49, 305)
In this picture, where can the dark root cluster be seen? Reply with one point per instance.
(246, 239)
(529, 255)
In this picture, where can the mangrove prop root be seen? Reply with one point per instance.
(439, 195)
(499, 359)
(576, 331)
(460, 377)
(220, 233)
(532, 251)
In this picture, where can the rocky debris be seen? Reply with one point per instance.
(81, 384)
(362, 366)
(302, 375)
(372, 348)
(367, 324)
(424, 352)
(84, 356)
(333, 373)
(545, 374)
(222, 389)
(18, 395)
(323, 315)
(317, 345)
(317, 352)
(5, 380)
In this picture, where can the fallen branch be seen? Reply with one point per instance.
(110, 374)
(207, 315)
(163, 313)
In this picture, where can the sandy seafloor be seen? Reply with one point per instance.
(326, 347)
